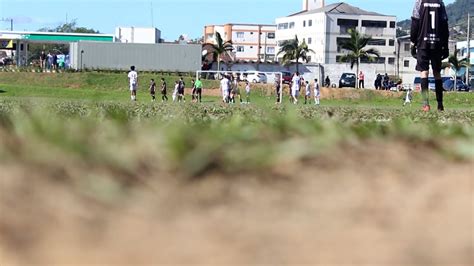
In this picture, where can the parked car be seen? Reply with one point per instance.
(448, 85)
(347, 80)
(255, 77)
(287, 77)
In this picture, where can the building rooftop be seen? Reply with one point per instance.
(243, 24)
(338, 8)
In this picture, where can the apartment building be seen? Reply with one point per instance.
(325, 27)
(252, 42)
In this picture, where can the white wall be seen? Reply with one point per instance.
(137, 35)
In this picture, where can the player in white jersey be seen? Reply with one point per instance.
(133, 81)
(307, 93)
(225, 85)
(317, 92)
(295, 87)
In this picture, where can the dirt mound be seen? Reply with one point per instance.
(372, 203)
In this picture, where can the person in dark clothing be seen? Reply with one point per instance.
(327, 82)
(429, 38)
(378, 82)
(164, 97)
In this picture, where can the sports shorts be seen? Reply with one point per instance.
(426, 57)
(133, 87)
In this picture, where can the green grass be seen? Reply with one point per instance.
(99, 87)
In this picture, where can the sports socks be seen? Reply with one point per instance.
(424, 91)
(439, 94)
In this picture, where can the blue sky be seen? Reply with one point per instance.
(172, 17)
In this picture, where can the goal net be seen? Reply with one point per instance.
(255, 77)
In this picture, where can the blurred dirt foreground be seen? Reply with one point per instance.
(373, 203)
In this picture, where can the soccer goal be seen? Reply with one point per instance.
(252, 76)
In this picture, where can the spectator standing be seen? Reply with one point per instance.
(43, 60)
(361, 80)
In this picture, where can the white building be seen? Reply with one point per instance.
(252, 42)
(137, 35)
(324, 28)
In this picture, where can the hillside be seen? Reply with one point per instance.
(457, 13)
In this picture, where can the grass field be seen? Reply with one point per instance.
(87, 177)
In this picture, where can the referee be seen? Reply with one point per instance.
(429, 38)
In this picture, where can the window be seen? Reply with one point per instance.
(310, 40)
(407, 47)
(22, 47)
(374, 24)
(348, 22)
(292, 25)
(270, 50)
(240, 35)
(240, 49)
(271, 35)
(392, 24)
(340, 42)
(283, 26)
(377, 42)
(406, 63)
(304, 23)
(391, 60)
(210, 36)
(310, 23)
(391, 42)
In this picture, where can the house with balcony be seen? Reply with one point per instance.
(325, 27)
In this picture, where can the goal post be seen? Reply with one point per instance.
(270, 77)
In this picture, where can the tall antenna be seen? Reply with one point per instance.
(152, 15)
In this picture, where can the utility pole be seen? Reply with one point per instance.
(8, 20)
(468, 46)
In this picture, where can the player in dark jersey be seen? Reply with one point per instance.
(430, 37)
(164, 97)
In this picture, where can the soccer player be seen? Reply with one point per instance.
(175, 92)
(193, 92)
(247, 92)
(152, 90)
(163, 90)
(429, 38)
(278, 90)
(295, 87)
(198, 86)
(225, 89)
(181, 90)
(317, 92)
(133, 80)
(307, 95)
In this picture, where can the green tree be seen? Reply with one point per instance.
(220, 47)
(293, 50)
(455, 64)
(356, 51)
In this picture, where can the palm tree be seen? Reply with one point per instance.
(220, 48)
(455, 64)
(355, 47)
(293, 50)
